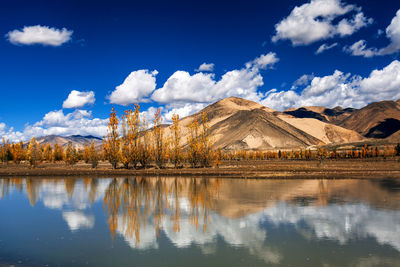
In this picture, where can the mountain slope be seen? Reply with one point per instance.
(376, 120)
(328, 133)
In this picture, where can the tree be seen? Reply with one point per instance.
(71, 156)
(18, 152)
(158, 138)
(5, 151)
(47, 152)
(144, 146)
(193, 149)
(205, 142)
(93, 158)
(176, 152)
(34, 154)
(58, 153)
(111, 141)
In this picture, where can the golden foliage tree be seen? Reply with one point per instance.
(71, 155)
(205, 142)
(47, 152)
(111, 142)
(193, 150)
(93, 157)
(58, 153)
(34, 153)
(176, 151)
(18, 152)
(160, 143)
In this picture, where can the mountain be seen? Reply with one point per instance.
(237, 123)
(334, 115)
(78, 141)
(326, 132)
(376, 120)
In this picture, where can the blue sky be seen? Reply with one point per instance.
(152, 51)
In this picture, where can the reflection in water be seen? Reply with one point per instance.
(201, 210)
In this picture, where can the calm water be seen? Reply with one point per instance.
(199, 222)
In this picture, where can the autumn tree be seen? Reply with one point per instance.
(18, 152)
(5, 151)
(86, 153)
(47, 152)
(193, 150)
(34, 153)
(144, 146)
(205, 142)
(159, 141)
(58, 153)
(176, 151)
(111, 141)
(71, 155)
(93, 158)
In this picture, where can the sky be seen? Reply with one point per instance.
(65, 64)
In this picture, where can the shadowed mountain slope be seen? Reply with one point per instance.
(376, 120)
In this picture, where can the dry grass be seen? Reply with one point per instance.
(261, 169)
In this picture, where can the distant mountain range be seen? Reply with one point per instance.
(77, 141)
(237, 123)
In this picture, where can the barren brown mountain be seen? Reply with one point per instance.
(376, 120)
(334, 115)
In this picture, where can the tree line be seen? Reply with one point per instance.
(130, 143)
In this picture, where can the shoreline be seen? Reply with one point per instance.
(251, 169)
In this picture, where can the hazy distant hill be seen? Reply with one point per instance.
(78, 141)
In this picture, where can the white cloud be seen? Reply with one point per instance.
(392, 33)
(360, 49)
(56, 122)
(325, 47)
(77, 99)
(348, 27)
(313, 22)
(263, 61)
(184, 88)
(38, 34)
(303, 80)
(77, 220)
(382, 84)
(340, 89)
(205, 67)
(136, 87)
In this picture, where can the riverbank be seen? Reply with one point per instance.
(262, 169)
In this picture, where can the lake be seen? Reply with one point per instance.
(199, 222)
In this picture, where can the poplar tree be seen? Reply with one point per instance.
(33, 153)
(111, 141)
(176, 152)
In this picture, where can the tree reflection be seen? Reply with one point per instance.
(137, 202)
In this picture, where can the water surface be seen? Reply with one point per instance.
(199, 222)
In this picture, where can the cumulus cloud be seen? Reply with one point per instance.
(205, 67)
(340, 89)
(314, 21)
(56, 122)
(78, 220)
(77, 99)
(136, 87)
(182, 87)
(38, 34)
(325, 47)
(359, 48)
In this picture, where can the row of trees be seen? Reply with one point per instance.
(138, 146)
(34, 153)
